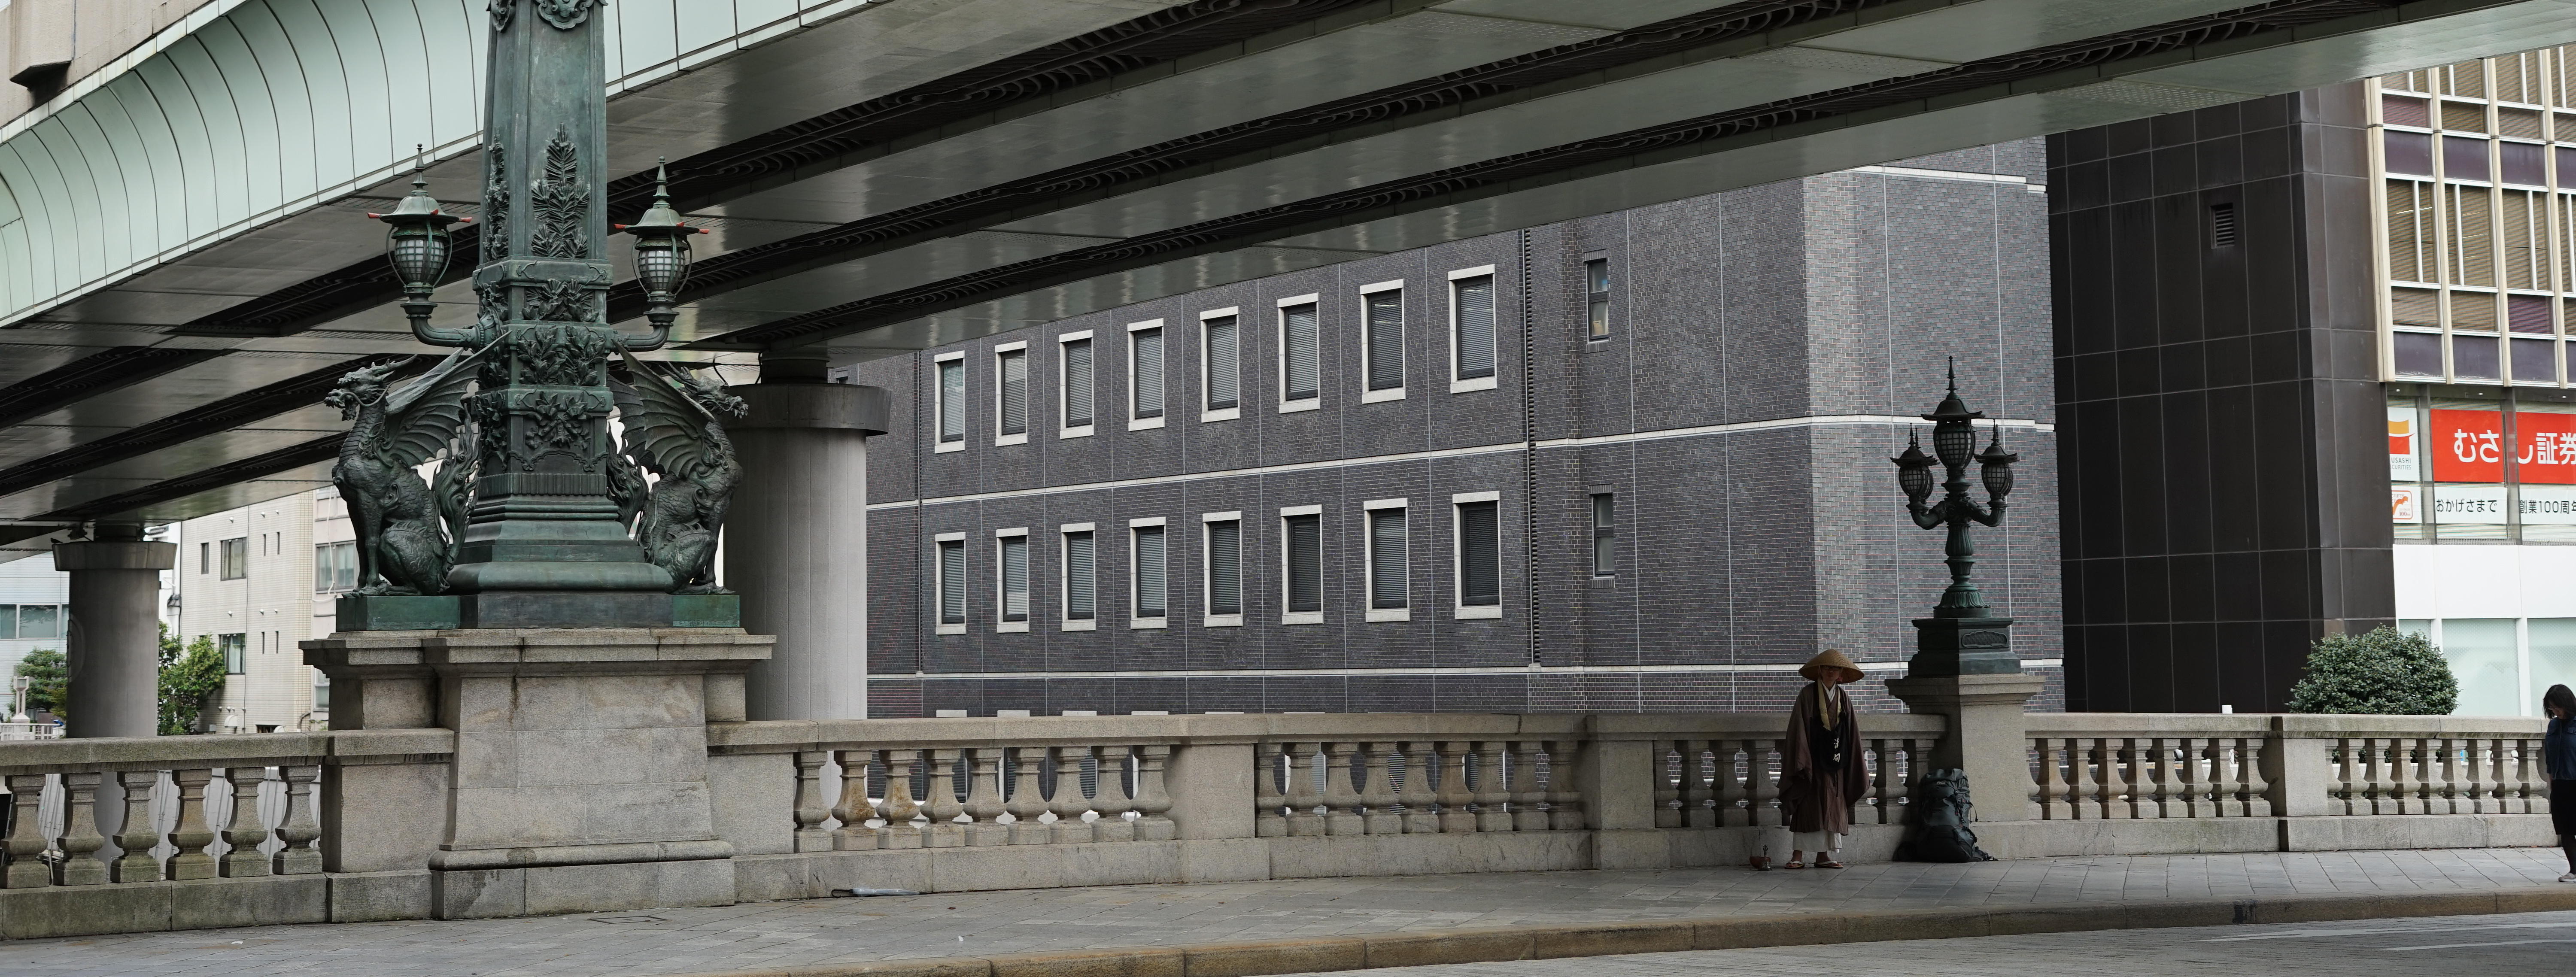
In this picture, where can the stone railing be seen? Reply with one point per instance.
(2292, 782)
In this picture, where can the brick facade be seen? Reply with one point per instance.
(1738, 412)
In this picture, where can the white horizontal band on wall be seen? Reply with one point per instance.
(1489, 449)
(1895, 666)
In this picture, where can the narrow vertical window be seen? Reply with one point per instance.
(1077, 383)
(1472, 305)
(1014, 568)
(1304, 554)
(1299, 368)
(1596, 286)
(1013, 366)
(1385, 313)
(1224, 366)
(1605, 534)
(1225, 567)
(205, 561)
(1480, 566)
(1152, 594)
(952, 400)
(2222, 225)
(1145, 365)
(952, 581)
(235, 648)
(1386, 559)
(1081, 582)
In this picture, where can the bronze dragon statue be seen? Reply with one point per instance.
(674, 429)
(398, 519)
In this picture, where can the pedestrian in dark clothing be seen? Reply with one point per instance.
(2558, 748)
(1821, 770)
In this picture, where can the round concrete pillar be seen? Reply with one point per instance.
(796, 542)
(113, 649)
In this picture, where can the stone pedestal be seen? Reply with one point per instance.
(579, 781)
(113, 645)
(1986, 736)
(796, 541)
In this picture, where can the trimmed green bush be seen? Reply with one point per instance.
(2383, 672)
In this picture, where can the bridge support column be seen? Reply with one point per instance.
(795, 538)
(112, 654)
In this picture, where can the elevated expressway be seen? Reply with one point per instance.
(184, 265)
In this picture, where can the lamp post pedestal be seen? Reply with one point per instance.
(1986, 737)
(1946, 646)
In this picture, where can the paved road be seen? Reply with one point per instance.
(2455, 946)
(819, 931)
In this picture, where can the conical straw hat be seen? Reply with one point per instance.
(1830, 660)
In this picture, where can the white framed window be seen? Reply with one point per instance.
(1148, 574)
(1081, 577)
(949, 552)
(1074, 384)
(1011, 394)
(1145, 375)
(1220, 365)
(1011, 579)
(1596, 296)
(1389, 582)
(950, 372)
(1476, 549)
(1301, 564)
(1472, 353)
(1221, 568)
(1605, 533)
(1301, 362)
(1382, 341)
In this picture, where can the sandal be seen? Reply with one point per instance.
(1793, 863)
(1828, 863)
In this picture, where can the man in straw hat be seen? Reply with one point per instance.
(1821, 769)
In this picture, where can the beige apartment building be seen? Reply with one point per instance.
(258, 580)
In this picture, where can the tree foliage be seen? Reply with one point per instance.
(189, 677)
(50, 681)
(2384, 672)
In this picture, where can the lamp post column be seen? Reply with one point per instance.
(113, 654)
(796, 537)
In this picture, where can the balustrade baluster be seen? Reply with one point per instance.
(1670, 768)
(1763, 771)
(2352, 775)
(811, 809)
(1457, 803)
(853, 809)
(1492, 792)
(2448, 799)
(300, 827)
(2047, 786)
(1521, 781)
(243, 831)
(1270, 804)
(1421, 790)
(2533, 792)
(1113, 801)
(1067, 803)
(135, 834)
(1376, 765)
(1303, 798)
(984, 800)
(188, 830)
(26, 841)
(1151, 801)
(2498, 786)
(2190, 786)
(1565, 785)
(1027, 808)
(2161, 801)
(81, 839)
(1727, 788)
(942, 806)
(1699, 784)
(2395, 790)
(1886, 780)
(2477, 755)
(2429, 786)
(2120, 780)
(898, 808)
(2103, 753)
(1341, 802)
(2227, 777)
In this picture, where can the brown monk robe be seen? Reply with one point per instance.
(1821, 772)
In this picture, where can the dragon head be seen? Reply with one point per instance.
(359, 388)
(710, 394)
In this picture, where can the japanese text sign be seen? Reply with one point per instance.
(2544, 447)
(2467, 446)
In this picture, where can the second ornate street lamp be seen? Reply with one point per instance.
(1962, 637)
(419, 249)
(661, 254)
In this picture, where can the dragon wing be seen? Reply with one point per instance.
(422, 416)
(665, 427)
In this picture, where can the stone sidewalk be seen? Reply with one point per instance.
(1356, 922)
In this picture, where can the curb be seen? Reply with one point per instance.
(1412, 949)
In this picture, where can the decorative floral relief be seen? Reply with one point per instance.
(561, 356)
(557, 423)
(560, 301)
(502, 11)
(496, 206)
(560, 201)
(565, 14)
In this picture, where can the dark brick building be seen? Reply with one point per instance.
(1756, 356)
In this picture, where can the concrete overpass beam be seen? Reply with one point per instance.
(796, 535)
(113, 652)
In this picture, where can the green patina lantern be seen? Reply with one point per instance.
(661, 253)
(419, 247)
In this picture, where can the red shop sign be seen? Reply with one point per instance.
(2467, 446)
(2544, 447)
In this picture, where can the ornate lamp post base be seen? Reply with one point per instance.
(537, 609)
(1946, 646)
